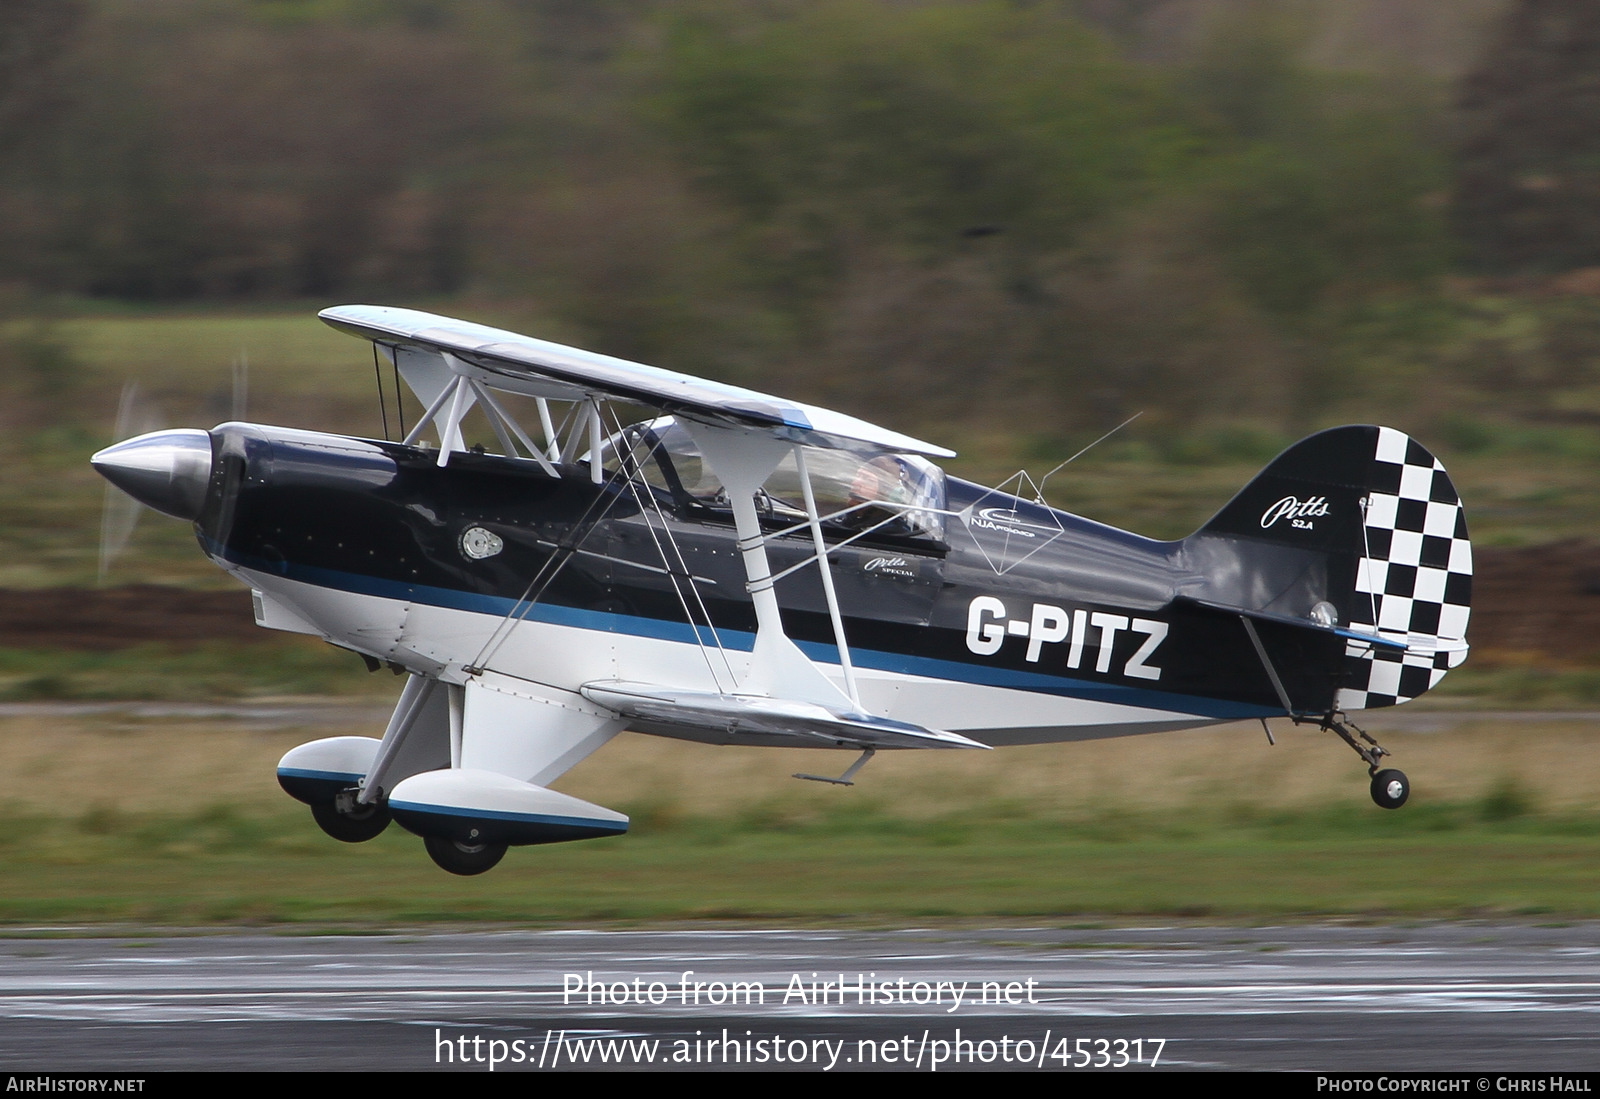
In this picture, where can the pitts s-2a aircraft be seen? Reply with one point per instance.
(743, 569)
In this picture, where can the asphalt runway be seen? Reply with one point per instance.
(1460, 997)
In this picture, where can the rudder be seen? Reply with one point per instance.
(1416, 571)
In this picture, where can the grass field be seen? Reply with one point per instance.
(181, 823)
(275, 667)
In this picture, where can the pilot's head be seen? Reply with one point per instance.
(882, 478)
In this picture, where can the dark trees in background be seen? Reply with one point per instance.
(991, 202)
(33, 35)
(855, 201)
(193, 151)
(1528, 184)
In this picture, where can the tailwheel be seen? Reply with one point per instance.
(1390, 788)
(465, 859)
(349, 822)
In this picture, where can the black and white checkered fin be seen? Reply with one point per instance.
(1414, 579)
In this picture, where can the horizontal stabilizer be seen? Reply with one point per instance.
(1413, 644)
(1421, 644)
(1360, 637)
(734, 714)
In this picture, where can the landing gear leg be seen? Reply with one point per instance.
(1390, 788)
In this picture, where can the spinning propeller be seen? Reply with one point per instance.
(167, 470)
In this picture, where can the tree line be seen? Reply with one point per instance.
(1034, 211)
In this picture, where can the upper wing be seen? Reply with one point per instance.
(522, 363)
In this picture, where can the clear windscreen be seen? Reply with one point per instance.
(895, 493)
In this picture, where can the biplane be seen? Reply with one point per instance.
(735, 568)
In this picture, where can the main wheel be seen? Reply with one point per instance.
(465, 859)
(1390, 789)
(361, 824)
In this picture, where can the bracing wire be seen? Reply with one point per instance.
(383, 407)
(547, 574)
(634, 477)
(399, 395)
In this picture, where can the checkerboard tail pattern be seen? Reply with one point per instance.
(1414, 579)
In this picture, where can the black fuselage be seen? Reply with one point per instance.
(985, 603)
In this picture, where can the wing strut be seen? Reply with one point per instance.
(551, 444)
(826, 569)
(743, 460)
(502, 422)
(466, 387)
(596, 438)
(460, 404)
(433, 410)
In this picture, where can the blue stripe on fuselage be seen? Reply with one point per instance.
(743, 641)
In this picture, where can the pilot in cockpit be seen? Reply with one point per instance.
(880, 480)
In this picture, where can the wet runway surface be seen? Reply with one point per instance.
(1454, 997)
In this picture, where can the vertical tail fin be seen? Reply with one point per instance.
(1362, 527)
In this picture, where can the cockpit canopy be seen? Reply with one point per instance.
(901, 494)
